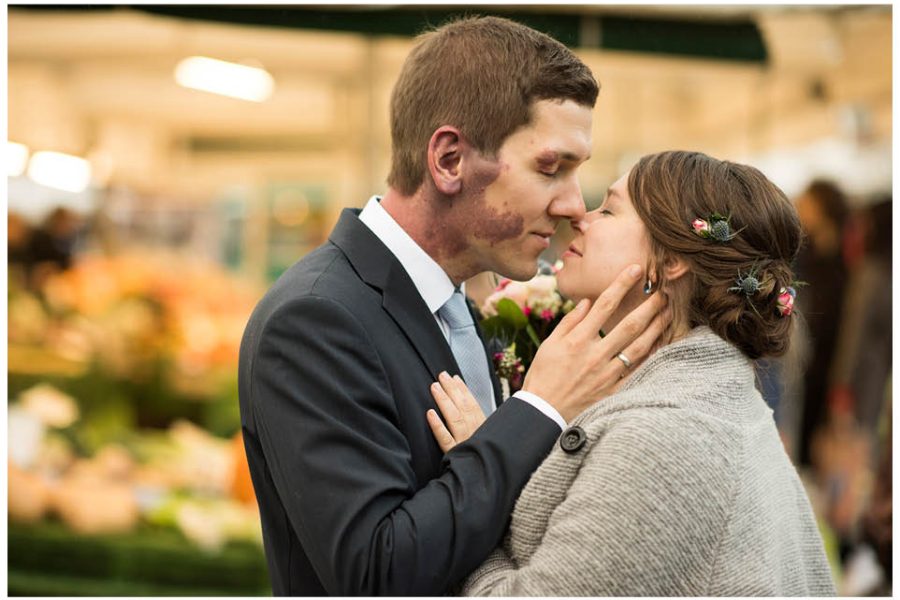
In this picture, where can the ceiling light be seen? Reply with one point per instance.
(224, 78)
(16, 159)
(60, 171)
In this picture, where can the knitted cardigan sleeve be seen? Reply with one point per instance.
(643, 516)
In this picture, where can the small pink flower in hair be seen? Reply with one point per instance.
(716, 227)
(785, 301)
(700, 227)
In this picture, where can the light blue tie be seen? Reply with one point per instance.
(468, 350)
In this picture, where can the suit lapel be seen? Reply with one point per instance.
(378, 267)
(403, 302)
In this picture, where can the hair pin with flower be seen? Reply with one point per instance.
(716, 227)
(785, 301)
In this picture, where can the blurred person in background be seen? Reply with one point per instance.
(850, 451)
(18, 248)
(52, 246)
(869, 318)
(864, 351)
(823, 214)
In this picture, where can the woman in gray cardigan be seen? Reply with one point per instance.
(677, 483)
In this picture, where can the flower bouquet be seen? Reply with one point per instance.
(517, 317)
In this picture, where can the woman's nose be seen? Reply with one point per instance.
(584, 222)
(580, 225)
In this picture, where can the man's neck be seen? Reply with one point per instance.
(419, 215)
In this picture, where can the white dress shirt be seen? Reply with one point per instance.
(430, 280)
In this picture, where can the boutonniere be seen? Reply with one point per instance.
(518, 316)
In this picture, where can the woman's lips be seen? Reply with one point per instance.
(572, 251)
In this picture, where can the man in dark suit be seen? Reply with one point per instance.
(490, 121)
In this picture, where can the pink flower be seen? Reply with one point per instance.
(547, 314)
(700, 227)
(785, 301)
(527, 311)
(514, 290)
(517, 292)
(542, 286)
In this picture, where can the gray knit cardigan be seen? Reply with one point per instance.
(681, 488)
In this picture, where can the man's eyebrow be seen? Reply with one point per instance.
(549, 156)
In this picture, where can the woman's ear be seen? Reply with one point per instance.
(674, 267)
(445, 159)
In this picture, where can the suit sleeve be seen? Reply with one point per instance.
(328, 425)
(643, 517)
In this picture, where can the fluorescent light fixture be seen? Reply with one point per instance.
(16, 159)
(224, 78)
(60, 171)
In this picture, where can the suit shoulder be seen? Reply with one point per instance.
(325, 273)
(322, 275)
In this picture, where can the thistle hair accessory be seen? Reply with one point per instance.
(785, 301)
(746, 284)
(716, 227)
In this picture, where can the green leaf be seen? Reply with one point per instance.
(497, 328)
(533, 335)
(510, 312)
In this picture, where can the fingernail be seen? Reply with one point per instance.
(634, 270)
(582, 303)
(443, 375)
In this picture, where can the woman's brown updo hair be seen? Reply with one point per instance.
(671, 189)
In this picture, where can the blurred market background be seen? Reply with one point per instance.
(155, 193)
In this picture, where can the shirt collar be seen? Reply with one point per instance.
(430, 280)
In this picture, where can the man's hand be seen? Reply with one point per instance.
(575, 367)
(460, 409)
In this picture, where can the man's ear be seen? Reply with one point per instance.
(445, 159)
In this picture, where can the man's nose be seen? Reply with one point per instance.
(569, 204)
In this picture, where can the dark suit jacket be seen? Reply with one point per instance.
(355, 496)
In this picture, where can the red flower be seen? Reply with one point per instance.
(785, 301)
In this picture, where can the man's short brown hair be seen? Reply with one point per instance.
(481, 75)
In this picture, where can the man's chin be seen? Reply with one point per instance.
(519, 272)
